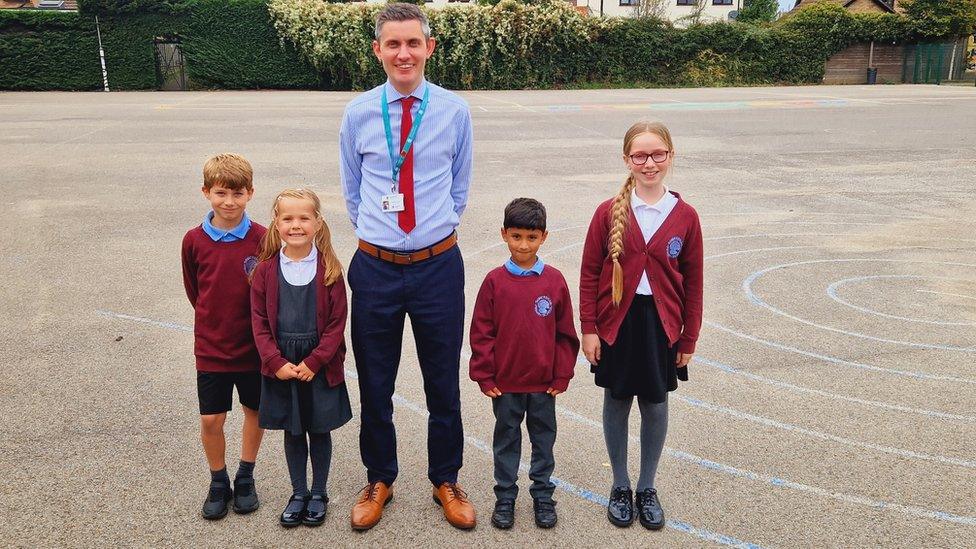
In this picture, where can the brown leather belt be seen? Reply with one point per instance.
(402, 258)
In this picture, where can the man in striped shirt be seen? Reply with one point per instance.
(405, 161)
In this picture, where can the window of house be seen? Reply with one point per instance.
(721, 2)
(686, 2)
(629, 2)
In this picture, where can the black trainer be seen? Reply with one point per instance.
(545, 512)
(245, 496)
(294, 511)
(315, 510)
(504, 514)
(649, 509)
(620, 508)
(215, 507)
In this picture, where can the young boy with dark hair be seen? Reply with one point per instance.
(523, 351)
(218, 257)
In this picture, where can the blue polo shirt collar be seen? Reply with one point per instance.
(519, 271)
(220, 235)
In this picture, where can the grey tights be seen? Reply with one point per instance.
(654, 428)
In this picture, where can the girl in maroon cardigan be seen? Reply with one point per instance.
(298, 312)
(641, 310)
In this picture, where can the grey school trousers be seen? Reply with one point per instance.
(539, 411)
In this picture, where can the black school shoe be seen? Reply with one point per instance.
(315, 510)
(292, 515)
(620, 508)
(649, 509)
(245, 496)
(545, 512)
(215, 507)
(503, 516)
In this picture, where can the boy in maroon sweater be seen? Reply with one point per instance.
(523, 351)
(218, 257)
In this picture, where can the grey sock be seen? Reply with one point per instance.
(296, 455)
(320, 450)
(615, 415)
(654, 428)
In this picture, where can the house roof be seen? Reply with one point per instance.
(31, 4)
(847, 3)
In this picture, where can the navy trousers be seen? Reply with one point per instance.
(432, 294)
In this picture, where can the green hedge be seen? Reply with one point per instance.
(227, 44)
(241, 44)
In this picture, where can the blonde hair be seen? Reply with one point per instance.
(232, 171)
(620, 209)
(271, 244)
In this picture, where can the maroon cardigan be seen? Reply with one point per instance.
(675, 281)
(331, 322)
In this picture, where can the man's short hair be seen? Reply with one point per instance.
(401, 11)
(228, 170)
(525, 213)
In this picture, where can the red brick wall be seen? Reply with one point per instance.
(850, 66)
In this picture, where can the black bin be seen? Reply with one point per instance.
(872, 75)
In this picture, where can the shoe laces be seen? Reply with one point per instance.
(456, 492)
(370, 492)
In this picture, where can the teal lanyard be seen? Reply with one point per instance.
(396, 161)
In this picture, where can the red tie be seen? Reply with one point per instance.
(406, 218)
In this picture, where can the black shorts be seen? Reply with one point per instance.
(216, 390)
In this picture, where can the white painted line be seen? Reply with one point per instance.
(755, 299)
(948, 294)
(832, 293)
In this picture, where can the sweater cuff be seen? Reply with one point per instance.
(560, 384)
(686, 346)
(273, 365)
(588, 327)
(487, 385)
(312, 364)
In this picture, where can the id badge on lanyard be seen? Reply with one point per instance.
(393, 202)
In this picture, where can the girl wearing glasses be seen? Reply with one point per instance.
(641, 310)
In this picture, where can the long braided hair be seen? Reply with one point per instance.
(620, 209)
(271, 244)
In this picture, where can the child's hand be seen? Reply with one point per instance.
(303, 372)
(552, 391)
(591, 348)
(286, 372)
(492, 393)
(684, 359)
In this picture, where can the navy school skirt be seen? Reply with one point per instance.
(641, 362)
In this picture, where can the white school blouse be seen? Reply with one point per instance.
(300, 272)
(650, 217)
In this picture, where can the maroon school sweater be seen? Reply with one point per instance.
(330, 320)
(215, 277)
(523, 339)
(672, 260)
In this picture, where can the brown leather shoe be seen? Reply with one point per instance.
(457, 509)
(368, 510)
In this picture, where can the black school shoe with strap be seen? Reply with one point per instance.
(315, 510)
(294, 511)
(503, 516)
(649, 509)
(245, 496)
(545, 512)
(215, 506)
(620, 507)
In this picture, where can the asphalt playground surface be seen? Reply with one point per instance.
(832, 399)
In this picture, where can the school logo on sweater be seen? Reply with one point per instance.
(250, 263)
(674, 246)
(543, 306)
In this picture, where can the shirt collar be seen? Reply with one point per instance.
(636, 202)
(238, 232)
(519, 271)
(392, 95)
(311, 257)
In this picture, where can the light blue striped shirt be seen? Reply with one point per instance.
(442, 159)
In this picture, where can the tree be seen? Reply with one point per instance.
(758, 11)
(942, 18)
(652, 8)
(696, 16)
